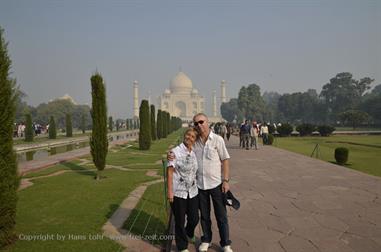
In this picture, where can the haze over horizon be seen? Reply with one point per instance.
(283, 46)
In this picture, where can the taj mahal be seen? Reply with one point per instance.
(181, 99)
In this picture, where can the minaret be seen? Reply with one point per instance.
(214, 104)
(223, 92)
(136, 99)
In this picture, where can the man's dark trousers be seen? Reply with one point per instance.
(180, 208)
(219, 212)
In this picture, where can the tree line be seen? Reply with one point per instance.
(57, 108)
(343, 100)
(155, 127)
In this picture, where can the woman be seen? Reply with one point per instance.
(182, 189)
(254, 132)
(228, 131)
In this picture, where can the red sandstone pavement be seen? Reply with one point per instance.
(292, 203)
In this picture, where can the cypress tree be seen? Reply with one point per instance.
(110, 123)
(163, 135)
(29, 131)
(98, 139)
(69, 126)
(133, 123)
(168, 123)
(9, 181)
(52, 128)
(158, 124)
(163, 124)
(144, 126)
(83, 124)
(117, 125)
(127, 124)
(153, 123)
(172, 128)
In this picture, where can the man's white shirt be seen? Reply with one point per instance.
(209, 157)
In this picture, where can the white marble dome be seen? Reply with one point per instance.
(181, 83)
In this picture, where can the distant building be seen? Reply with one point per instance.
(65, 97)
(182, 100)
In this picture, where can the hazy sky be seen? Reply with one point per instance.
(283, 46)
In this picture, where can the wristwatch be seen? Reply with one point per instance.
(225, 180)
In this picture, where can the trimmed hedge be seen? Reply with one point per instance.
(270, 139)
(341, 155)
(325, 130)
(306, 129)
(285, 129)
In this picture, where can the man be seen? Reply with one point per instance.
(265, 133)
(254, 132)
(212, 181)
(245, 131)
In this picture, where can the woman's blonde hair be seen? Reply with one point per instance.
(191, 129)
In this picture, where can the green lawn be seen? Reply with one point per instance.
(356, 129)
(131, 157)
(57, 168)
(149, 217)
(364, 151)
(72, 204)
(75, 206)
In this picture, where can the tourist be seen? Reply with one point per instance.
(182, 189)
(265, 133)
(212, 181)
(241, 137)
(228, 131)
(245, 131)
(223, 130)
(254, 132)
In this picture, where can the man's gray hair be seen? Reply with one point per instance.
(200, 114)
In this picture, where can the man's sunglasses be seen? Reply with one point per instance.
(199, 122)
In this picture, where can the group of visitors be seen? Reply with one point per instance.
(222, 129)
(198, 173)
(251, 132)
(19, 129)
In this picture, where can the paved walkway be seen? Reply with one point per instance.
(113, 228)
(292, 203)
